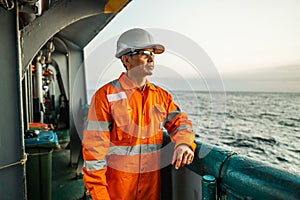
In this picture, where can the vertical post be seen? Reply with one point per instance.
(39, 88)
(12, 178)
(25, 100)
(29, 95)
(209, 187)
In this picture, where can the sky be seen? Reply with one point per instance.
(231, 45)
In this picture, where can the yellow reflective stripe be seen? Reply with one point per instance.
(134, 150)
(98, 126)
(91, 165)
(180, 128)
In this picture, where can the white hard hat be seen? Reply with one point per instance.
(136, 39)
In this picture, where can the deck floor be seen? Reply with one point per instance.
(65, 184)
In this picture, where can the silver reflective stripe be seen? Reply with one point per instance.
(173, 114)
(91, 165)
(134, 150)
(180, 128)
(98, 126)
(116, 97)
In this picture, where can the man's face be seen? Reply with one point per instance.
(141, 63)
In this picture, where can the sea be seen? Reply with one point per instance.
(263, 126)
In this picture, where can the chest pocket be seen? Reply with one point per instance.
(157, 116)
(121, 113)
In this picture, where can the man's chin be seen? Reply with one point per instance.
(149, 73)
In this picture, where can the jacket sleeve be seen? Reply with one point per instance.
(95, 145)
(178, 125)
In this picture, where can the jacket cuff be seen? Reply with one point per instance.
(192, 146)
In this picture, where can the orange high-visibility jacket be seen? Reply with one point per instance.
(123, 139)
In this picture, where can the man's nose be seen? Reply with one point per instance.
(150, 58)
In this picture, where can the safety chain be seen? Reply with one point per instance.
(8, 5)
(22, 162)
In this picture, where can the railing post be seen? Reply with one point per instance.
(208, 187)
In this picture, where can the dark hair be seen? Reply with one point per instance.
(123, 64)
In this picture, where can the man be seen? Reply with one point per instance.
(123, 137)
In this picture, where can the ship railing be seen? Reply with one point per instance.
(217, 173)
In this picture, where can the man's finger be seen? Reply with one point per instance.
(178, 162)
(174, 157)
(177, 157)
(185, 158)
(190, 159)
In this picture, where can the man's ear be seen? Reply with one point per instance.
(125, 60)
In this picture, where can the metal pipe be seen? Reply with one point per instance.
(25, 102)
(20, 92)
(39, 85)
(67, 54)
(30, 94)
(39, 6)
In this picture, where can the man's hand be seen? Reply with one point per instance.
(183, 155)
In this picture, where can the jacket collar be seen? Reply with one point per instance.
(127, 84)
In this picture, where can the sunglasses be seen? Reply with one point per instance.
(142, 53)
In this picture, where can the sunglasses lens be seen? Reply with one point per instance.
(142, 53)
(147, 53)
